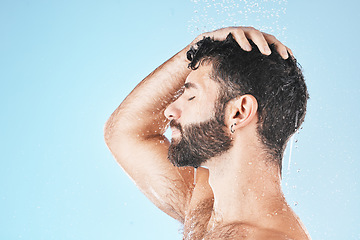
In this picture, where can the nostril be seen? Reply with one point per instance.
(172, 112)
(171, 117)
(167, 114)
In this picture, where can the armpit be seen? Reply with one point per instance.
(244, 231)
(175, 198)
(231, 231)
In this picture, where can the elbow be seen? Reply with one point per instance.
(114, 135)
(115, 142)
(110, 140)
(109, 133)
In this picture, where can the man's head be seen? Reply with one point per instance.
(277, 85)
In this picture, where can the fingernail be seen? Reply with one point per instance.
(247, 48)
(267, 50)
(284, 54)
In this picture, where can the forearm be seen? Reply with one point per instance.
(142, 112)
(134, 135)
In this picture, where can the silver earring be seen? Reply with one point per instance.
(231, 128)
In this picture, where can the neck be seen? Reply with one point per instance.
(246, 186)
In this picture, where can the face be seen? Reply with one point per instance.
(199, 132)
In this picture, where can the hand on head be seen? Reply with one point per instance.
(243, 34)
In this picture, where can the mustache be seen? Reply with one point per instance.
(174, 124)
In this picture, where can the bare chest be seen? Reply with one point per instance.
(199, 225)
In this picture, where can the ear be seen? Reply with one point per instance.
(242, 111)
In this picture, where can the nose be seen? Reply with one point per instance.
(172, 112)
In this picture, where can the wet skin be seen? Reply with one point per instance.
(220, 202)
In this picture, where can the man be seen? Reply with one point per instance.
(232, 101)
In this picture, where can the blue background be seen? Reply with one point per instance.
(66, 65)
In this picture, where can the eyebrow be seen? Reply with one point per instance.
(189, 85)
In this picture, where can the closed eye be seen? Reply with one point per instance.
(191, 98)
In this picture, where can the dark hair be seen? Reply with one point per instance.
(277, 84)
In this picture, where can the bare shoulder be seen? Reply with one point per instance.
(249, 232)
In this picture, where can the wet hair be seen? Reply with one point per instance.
(277, 84)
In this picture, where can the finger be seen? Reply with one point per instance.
(258, 38)
(280, 48)
(219, 34)
(241, 39)
(289, 50)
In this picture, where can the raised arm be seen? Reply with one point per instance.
(135, 131)
(135, 135)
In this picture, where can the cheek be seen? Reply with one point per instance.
(200, 111)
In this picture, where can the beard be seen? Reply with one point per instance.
(199, 142)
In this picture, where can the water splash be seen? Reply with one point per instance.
(195, 172)
(292, 140)
(209, 15)
(290, 151)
